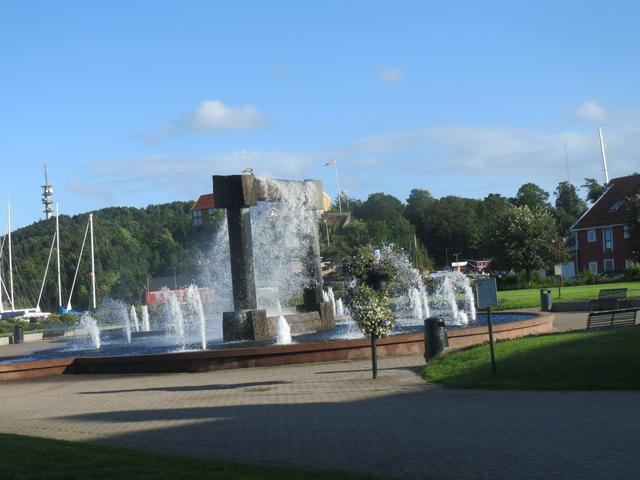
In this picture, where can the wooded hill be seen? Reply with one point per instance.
(130, 243)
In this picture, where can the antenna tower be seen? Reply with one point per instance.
(47, 194)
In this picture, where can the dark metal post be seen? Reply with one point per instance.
(374, 356)
(493, 356)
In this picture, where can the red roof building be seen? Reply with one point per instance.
(601, 233)
(203, 209)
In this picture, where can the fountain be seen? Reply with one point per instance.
(258, 279)
(146, 327)
(289, 204)
(90, 325)
(133, 316)
(174, 320)
(453, 286)
(196, 313)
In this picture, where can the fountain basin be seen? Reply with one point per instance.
(243, 356)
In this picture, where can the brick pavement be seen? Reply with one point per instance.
(333, 416)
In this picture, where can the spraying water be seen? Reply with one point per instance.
(332, 299)
(452, 288)
(146, 327)
(134, 318)
(339, 307)
(174, 320)
(90, 324)
(194, 305)
(284, 331)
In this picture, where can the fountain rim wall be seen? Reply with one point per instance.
(274, 355)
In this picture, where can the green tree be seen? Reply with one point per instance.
(379, 206)
(594, 189)
(568, 207)
(490, 209)
(523, 239)
(532, 196)
(567, 198)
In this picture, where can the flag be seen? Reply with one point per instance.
(330, 163)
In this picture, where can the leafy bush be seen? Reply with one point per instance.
(365, 267)
(370, 309)
(632, 272)
(6, 326)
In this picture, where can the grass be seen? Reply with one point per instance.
(606, 359)
(530, 297)
(27, 458)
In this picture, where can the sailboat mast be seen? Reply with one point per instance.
(58, 258)
(604, 156)
(93, 265)
(11, 299)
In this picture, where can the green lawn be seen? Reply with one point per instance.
(605, 359)
(531, 297)
(23, 458)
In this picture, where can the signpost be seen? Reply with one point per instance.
(557, 269)
(487, 297)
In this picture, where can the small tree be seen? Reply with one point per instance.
(524, 239)
(368, 303)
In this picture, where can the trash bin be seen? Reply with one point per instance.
(18, 334)
(545, 299)
(435, 337)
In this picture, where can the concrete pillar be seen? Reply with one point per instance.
(241, 254)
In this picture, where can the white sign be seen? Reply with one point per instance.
(486, 293)
(558, 270)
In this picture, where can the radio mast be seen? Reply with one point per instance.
(47, 194)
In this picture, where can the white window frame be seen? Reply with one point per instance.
(613, 265)
(591, 235)
(604, 239)
(593, 267)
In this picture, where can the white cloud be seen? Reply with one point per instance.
(215, 116)
(515, 155)
(211, 116)
(192, 176)
(591, 111)
(390, 75)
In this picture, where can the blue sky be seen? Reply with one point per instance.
(132, 103)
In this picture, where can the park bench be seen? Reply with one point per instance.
(608, 299)
(625, 317)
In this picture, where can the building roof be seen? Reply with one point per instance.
(609, 208)
(180, 281)
(205, 202)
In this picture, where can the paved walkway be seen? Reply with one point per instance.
(333, 416)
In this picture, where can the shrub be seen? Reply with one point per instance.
(370, 309)
(632, 272)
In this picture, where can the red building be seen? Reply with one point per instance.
(203, 209)
(601, 234)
